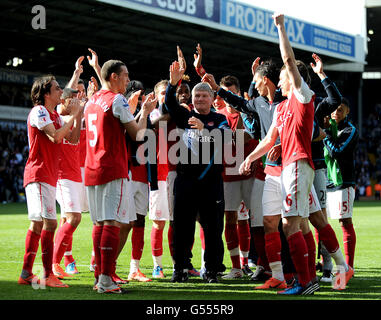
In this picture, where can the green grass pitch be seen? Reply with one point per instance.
(366, 285)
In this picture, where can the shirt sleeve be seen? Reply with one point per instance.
(121, 109)
(39, 117)
(304, 94)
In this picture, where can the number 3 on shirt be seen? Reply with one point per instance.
(92, 117)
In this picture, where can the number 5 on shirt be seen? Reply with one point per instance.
(92, 118)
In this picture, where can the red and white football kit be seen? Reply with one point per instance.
(294, 121)
(69, 178)
(40, 178)
(41, 169)
(106, 175)
(106, 166)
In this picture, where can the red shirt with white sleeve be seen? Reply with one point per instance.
(294, 121)
(42, 163)
(106, 152)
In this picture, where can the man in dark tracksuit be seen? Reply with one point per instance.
(198, 187)
(323, 107)
(340, 145)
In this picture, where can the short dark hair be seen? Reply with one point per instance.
(303, 70)
(133, 86)
(110, 67)
(270, 70)
(345, 101)
(228, 81)
(40, 87)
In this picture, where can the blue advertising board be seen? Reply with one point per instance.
(260, 22)
(241, 18)
(203, 9)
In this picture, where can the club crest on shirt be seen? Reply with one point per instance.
(41, 114)
(283, 119)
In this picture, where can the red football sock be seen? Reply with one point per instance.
(62, 241)
(47, 247)
(328, 237)
(273, 246)
(260, 247)
(170, 239)
(299, 255)
(97, 235)
(137, 240)
(232, 243)
(244, 241)
(349, 239)
(311, 247)
(156, 242)
(31, 246)
(202, 238)
(109, 249)
(68, 258)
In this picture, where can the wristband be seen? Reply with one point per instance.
(200, 71)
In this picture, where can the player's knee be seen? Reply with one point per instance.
(290, 227)
(270, 224)
(74, 219)
(318, 219)
(36, 226)
(50, 225)
(158, 224)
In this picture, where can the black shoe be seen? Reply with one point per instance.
(260, 275)
(210, 277)
(179, 276)
(310, 288)
(246, 270)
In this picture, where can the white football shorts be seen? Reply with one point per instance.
(272, 196)
(112, 201)
(243, 212)
(313, 201)
(320, 184)
(237, 191)
(340, 203)
(158, 202)
(296, 179)
(41, 201)
(140, 195)
(68, 195)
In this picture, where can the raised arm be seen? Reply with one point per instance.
(330, 103)
(237, 102)
(73, 83)
(287, 53)
(197, 61)
(93, 61)
(179, 114)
